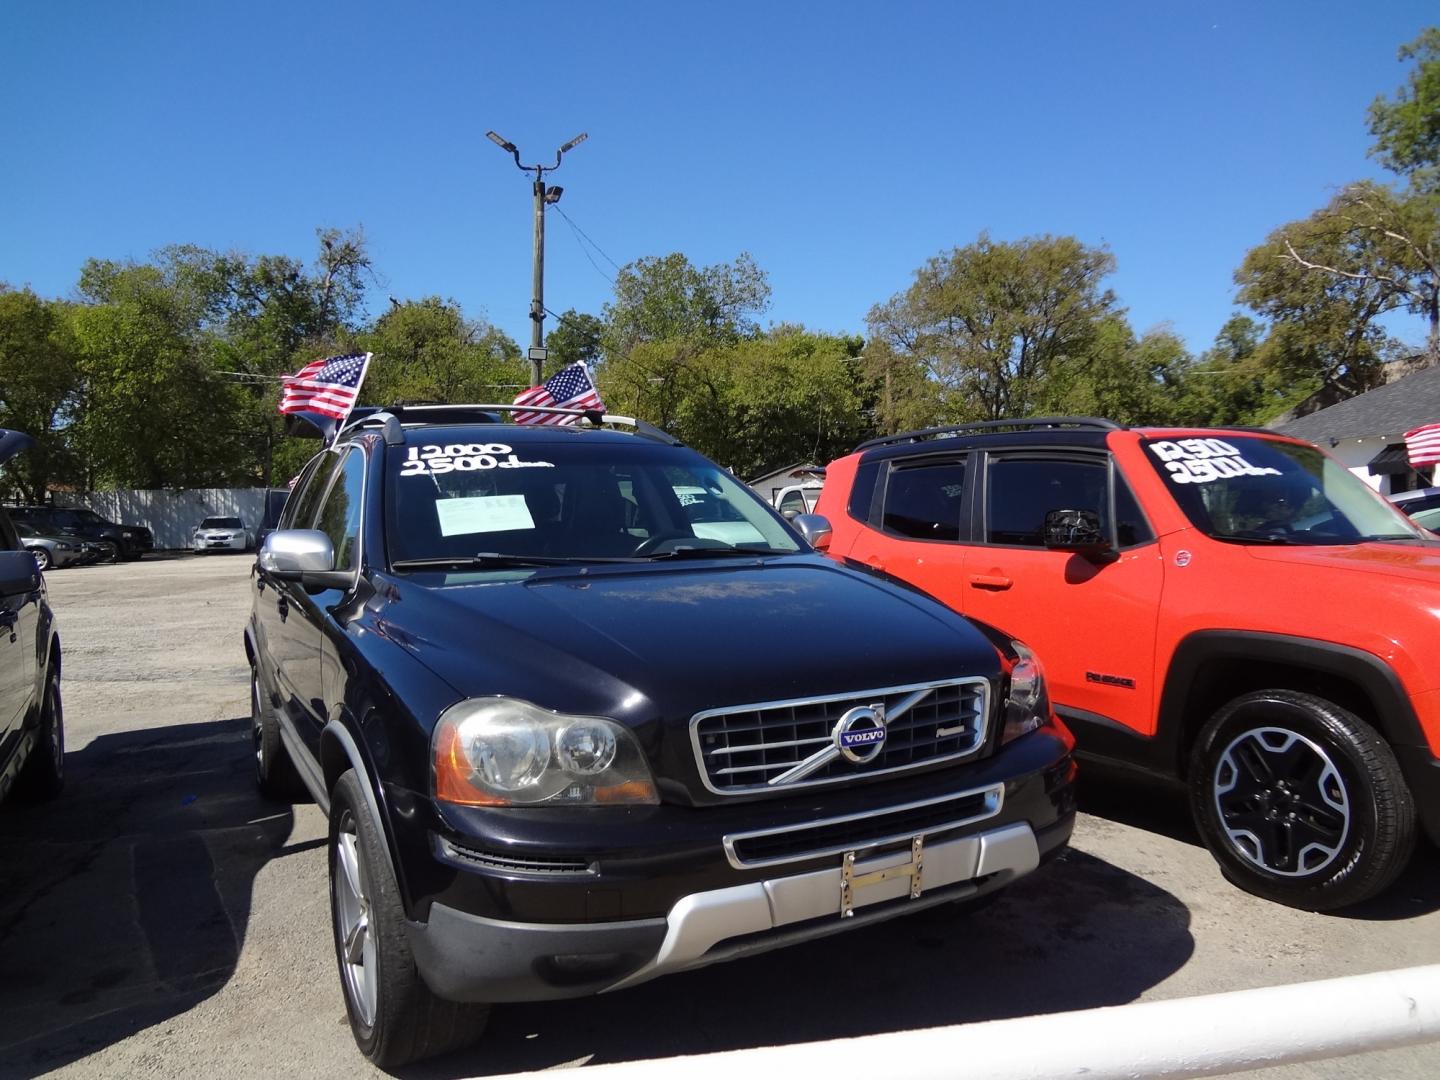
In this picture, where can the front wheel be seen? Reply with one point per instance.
(275, 773)
(393, 1015)
(42, 559)
(1300, 801)
(43, 774)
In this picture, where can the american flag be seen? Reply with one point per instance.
(327, 386)
(568, 388)
(1422, 444)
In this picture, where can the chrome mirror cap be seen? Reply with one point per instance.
(296, 551)
(815, 528)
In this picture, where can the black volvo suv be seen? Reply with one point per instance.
(570, 738)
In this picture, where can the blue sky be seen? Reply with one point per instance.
(841, 144)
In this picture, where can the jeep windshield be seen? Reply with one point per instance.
(1262, 491)
(531, 502)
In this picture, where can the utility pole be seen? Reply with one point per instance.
(543, 197)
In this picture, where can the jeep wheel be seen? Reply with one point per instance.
(275, 773)
(393, 1015)
(1300, 801)
(43, 774)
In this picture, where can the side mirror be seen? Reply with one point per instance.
(18, 572)
(303, 555)
(1077, 531)
(815, 528)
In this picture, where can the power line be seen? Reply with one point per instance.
(586, 252)
(586, 235)
(572, 323)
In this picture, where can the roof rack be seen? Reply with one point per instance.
(394, 419)
(1092, 423)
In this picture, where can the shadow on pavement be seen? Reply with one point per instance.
(1076, 934)
(125, 901)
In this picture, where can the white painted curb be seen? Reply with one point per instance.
(1186, 1037)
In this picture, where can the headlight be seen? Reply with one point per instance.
(65, 547)
(1028, 706)
(503, 752)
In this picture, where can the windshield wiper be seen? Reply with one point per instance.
(717, 553)
(1255, 538)
(500, 560)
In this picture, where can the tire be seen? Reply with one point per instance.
(112, 551)
(393, 1015)
(275, 773)
(43, 774)
(1300, 801)
(42, 558)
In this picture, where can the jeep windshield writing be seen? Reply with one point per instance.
(1265, 491)
(549, 501)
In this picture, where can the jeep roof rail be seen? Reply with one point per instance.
(393, 419)
(1093, 423)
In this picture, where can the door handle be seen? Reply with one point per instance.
(998, 582)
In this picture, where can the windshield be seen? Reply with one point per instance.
(1260, 490)
(221, 523)
(577, 500)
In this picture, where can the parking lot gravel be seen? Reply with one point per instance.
(161, 919)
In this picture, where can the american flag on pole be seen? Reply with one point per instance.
(327, 386)
(1422, 444)
(568, 388)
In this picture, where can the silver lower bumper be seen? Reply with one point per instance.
(700, 922)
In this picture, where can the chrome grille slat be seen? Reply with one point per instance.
(739, 748)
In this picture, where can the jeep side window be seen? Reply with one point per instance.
(1131, 528)
(340, 517)
(924, 501)
(1020, 491)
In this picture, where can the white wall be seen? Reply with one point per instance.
(170, 515)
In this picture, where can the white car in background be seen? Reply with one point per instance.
(797, 499)
(221, 534)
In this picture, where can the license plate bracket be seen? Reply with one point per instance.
(850, 881)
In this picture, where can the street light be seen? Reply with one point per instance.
(542, 197)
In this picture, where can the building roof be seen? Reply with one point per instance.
(1391, 409)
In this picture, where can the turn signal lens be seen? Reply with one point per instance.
(1028, 705)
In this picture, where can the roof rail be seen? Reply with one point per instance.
(393, 419)
(1092, 423)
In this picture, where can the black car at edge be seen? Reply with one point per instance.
(128, 542)
(569, 739)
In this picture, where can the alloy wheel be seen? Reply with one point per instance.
(1281, 801)
(358, 960)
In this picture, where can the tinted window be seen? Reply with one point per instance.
(8, 540)
(862, 493)
(1260, 490)
(1130, 525)
(568, 499)
(924, 501)
(1021, 491)
(305, 500)
(340, 517)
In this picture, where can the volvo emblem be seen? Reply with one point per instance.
(860, 733)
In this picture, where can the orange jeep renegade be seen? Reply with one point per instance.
(1230, 608)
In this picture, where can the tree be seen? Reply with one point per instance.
(669, 299)
(577, 338)
(1121, 377)
(991, 322)
(1407, 129)
(38, 387)
(152, 411)
(1325, 281)
(427, 350)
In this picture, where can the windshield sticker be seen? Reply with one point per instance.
(1200, 461)
(483, 514)
(433, 459)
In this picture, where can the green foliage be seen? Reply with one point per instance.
(576, 338)
(667, 299)
(38, 383)
(1324, 282)
(989, 324)
(1407, 129)
(1123, 378)
(752, 404)
(427, 350)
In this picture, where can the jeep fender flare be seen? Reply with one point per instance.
(1370, 677)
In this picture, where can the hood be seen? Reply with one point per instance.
(663, 642)
(1411, 561)
(12, 443)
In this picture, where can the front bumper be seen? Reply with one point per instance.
(536, 904)
(229, 543)
(471, 958)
